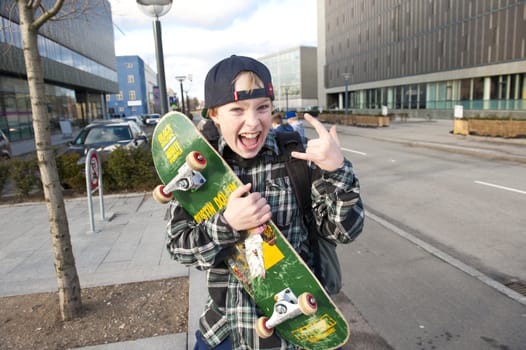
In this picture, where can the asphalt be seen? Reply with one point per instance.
(130, 246)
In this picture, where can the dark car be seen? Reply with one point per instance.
(107, 136)
(313, 110)
(5, 146)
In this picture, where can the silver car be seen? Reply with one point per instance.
(105, 136)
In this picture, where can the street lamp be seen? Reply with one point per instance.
(286, 88)
(181, 78)
(186, 90)
(346, 76)
(156, 9)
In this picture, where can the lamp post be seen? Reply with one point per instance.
(286, 98)
(156, 9)
(181, 78)
(186, 90)
(346, 76)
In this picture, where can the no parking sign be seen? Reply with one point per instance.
(93, 167)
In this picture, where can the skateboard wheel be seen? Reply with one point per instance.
(307, 304)
(196, 161)
(261, 328)
(160, 196)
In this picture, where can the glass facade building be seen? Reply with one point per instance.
(294, 77)
(78, 61)
(423, 56)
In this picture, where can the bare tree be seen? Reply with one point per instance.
(33, 15)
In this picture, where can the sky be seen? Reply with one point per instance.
(199, 33)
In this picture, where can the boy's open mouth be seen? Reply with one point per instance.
(249, 139)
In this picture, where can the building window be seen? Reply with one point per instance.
(131, 79)
(119, 96)
(131, 95)
(129, 65)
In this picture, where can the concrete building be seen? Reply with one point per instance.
(137, 85)
(294, 76)
(423, 57)
(78, 59)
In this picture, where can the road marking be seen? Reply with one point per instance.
(450, 260)
(500, 187)
(353, 151)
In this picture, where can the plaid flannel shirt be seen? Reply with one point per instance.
(229, 311)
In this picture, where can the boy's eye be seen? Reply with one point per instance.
(264, 107)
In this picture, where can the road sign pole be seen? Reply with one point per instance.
(93, 180)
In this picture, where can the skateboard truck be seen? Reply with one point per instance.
(188, 178)
(287, 306)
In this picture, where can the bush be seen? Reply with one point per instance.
(4, 174)
(71, 173)
(123, 170)
(25, 175)
(129, 170)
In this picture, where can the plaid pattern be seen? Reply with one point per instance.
(230, 312)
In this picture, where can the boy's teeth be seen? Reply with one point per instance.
(250, 136)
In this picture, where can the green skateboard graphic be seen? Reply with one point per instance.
(294, 303)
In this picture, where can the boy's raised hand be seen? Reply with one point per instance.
(324, 151)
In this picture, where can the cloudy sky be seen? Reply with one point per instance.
(198, 33)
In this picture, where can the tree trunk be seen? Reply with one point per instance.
(65, 269)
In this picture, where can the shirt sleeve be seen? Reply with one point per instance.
(337, 204)
(203, 245)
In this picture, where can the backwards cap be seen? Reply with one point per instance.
(219, 88)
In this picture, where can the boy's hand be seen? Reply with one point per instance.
(246, 210)
(324, 151)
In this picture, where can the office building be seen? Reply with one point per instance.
(78, 60)
(137, 88)
(294, 77)
(423, 57)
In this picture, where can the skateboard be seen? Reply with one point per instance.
(293, 302)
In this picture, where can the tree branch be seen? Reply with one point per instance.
(46, 15)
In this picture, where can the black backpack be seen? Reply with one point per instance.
(326, 264)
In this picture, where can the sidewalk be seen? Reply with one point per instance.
(132, 244)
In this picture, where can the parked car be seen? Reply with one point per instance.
(314, 110)
(107, 136)
(152, 119)
(136, 119)
(5, 147)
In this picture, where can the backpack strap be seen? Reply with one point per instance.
(298, 170)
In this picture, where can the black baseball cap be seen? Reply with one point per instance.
(219, 88)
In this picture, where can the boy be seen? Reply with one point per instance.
(238, 95)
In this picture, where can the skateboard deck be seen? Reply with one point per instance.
(284, 288)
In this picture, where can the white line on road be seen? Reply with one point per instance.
(450, 260)
(500, 187)
(353, 151)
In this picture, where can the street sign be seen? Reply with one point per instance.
(93, 166)
(94, 184)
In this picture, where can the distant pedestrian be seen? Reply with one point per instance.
(297, 125)
(279, 125)
(209, 131)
